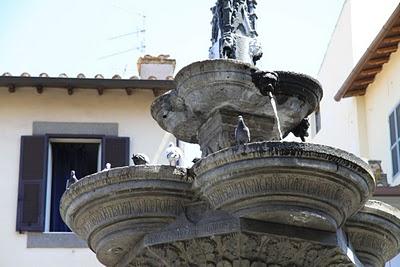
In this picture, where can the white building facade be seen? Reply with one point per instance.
(46, 122)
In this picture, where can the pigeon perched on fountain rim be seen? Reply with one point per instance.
(242, 132)
(140, 159)
(173, 153)
(72, 179)
(108, 167)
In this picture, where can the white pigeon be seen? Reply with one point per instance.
(108, 167)
(173, 153)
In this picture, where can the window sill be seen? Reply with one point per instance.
(54, 240)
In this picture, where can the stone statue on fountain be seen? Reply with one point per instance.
(234, 33)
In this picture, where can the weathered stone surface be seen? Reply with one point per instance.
(248, 243)
(374, 232)
(218, 131)
(299, 184)
(112, 210)
(234, 31)
(208, 88)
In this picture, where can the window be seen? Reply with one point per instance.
(317, 120)
(81, 155)
(45, 164)
(394, 123)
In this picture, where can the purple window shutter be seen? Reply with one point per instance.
(115, 150)
(32, 184)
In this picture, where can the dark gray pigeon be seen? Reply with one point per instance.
(72, 179)
(242, 133)
(140, 159)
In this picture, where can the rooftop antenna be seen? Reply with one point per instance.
(140, 35)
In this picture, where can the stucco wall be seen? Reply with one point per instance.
(19, 110)
(359, 124)
(381, 98)
(344, 123)
(339, 124)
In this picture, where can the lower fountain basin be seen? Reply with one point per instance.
(299, 184)
(374, 233)
(112, 210)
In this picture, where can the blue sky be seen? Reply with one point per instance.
(73, 36)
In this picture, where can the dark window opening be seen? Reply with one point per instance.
(317, 120)
(81, 157)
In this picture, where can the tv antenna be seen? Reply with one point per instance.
(140, 35)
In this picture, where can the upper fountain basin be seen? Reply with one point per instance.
(208, 87)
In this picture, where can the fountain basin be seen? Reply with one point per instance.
(374, 233)
(211, 94)
(112, 210)
(299, 184)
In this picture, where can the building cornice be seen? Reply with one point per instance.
(99, 84)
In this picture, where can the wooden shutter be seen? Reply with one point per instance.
(115, 151)
(32, 184)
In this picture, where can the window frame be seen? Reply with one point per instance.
(396, 142)
(318, 119)
(115, 149)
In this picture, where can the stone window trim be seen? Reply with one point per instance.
(65, 239)
(74, 128)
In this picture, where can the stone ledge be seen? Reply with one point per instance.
(54, 240)
(82, 128)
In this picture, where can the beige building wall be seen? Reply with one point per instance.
(339, 127)
(344, 124)
(382, 97)
(17, 113)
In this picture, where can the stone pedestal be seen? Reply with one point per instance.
(218, 131)
(222, 240)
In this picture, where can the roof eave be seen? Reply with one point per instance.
(377, 47)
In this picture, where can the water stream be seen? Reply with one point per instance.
(273, 102)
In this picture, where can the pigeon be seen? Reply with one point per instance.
(140, 159)
(72, 179)
(242, 133)
(195, 160)
(108, 167)
(173, 153)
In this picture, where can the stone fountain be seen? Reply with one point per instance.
(264, 203)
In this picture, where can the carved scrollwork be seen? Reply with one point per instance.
(243, 250)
